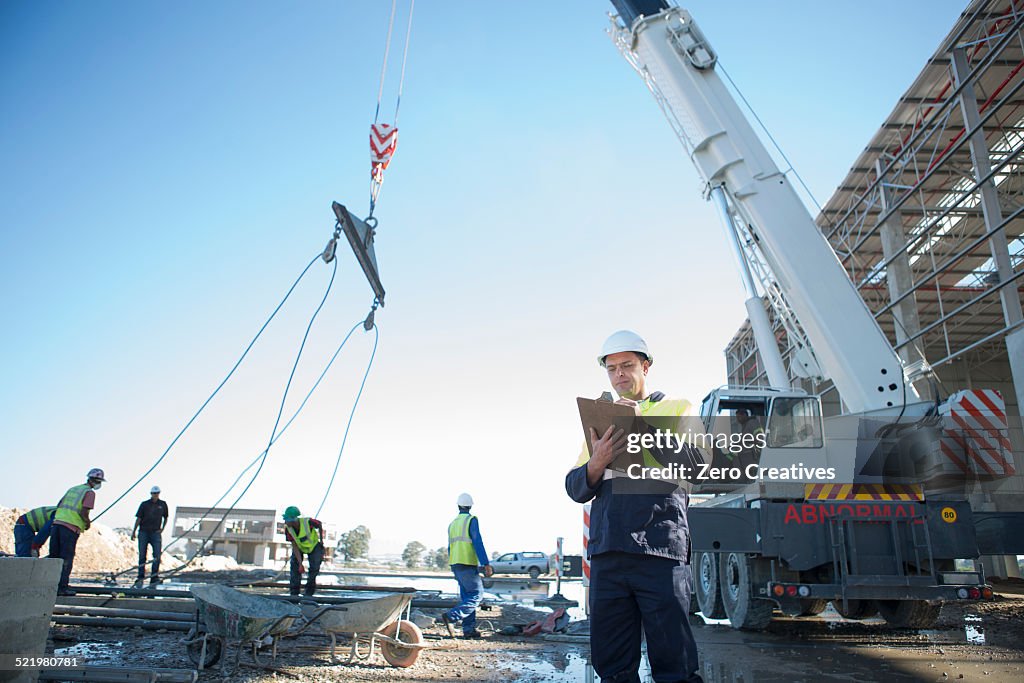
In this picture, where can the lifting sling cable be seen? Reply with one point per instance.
(256, 459)
(210, 397)
(263, 456)
(352, 414)
(384, 136)
(281, 410)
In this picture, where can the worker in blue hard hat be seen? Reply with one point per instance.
(640, 582)
(70, 520)
(305, 534)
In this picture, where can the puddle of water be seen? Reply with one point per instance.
(973, 629)
(93, 653)
(570, 667)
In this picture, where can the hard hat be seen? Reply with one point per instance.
(290, 513)
(96, 473)
(465, 500)
(624, 340)
(155, 489)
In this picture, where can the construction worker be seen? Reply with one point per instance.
(639, 540)
(70, 520)
(31, 531)
(466, 554)
(150, 520)
(305, 534)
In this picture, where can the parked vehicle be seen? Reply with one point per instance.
(532, 563)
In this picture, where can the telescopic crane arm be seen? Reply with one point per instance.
(668, 50)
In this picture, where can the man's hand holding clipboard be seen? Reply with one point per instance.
(606, 426)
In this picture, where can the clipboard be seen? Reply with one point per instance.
(600, 414)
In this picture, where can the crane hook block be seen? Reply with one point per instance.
(360, 238)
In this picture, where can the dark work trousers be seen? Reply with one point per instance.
(149, 539)
(23, 536)
(63, 542)
(316, 556)
(629, 591)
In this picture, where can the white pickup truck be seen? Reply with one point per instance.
(532, 563)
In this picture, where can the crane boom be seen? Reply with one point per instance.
(667, 48)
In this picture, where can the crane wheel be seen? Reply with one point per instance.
(707, 585)
(744, 610)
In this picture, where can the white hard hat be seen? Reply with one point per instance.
(465, 500)
(155, 489)
(96, 473)
(624, 340)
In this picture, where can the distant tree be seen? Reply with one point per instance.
(412, 554)
(494, 555)
(440, 558)
(354, 543)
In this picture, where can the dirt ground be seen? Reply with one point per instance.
(825, 648)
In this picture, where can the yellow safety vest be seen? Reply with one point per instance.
(460, 545)
(306, 538)
(69, 509)
(666, 407)
(37, 517)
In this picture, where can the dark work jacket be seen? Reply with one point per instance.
(640, 517)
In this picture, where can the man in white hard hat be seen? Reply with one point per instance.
(150, 520)
(466, 554)
(639, 539)
(70, 520)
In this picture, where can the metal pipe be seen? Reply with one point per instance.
(78, 610)
(119, 674)
(117, 622)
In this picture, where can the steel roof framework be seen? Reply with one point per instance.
(929, 221)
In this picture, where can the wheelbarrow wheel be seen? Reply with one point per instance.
(214, 650)
(407, 632)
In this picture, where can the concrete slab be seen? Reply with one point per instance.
(28, 590)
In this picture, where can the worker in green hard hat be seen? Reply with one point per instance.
(305, 534)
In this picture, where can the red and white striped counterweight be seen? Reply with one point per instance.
(975, 438)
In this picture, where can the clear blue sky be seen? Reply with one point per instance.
(168, 170)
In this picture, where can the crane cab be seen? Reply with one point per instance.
(772, 436)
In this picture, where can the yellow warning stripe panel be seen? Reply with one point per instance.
(883, 492)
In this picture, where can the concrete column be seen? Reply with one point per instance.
(898, 276)
(1009, 296)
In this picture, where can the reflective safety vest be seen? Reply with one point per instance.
(306, 538)
(69, 509)
(460, 545)
(37, 517)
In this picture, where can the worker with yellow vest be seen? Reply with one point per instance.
(305, 534)
(640, 582)
(31, 531)
(466, 554)
(70, 520)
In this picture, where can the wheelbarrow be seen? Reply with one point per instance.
(226, 615)
(369, 622)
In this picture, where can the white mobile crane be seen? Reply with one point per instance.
(851, 525)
